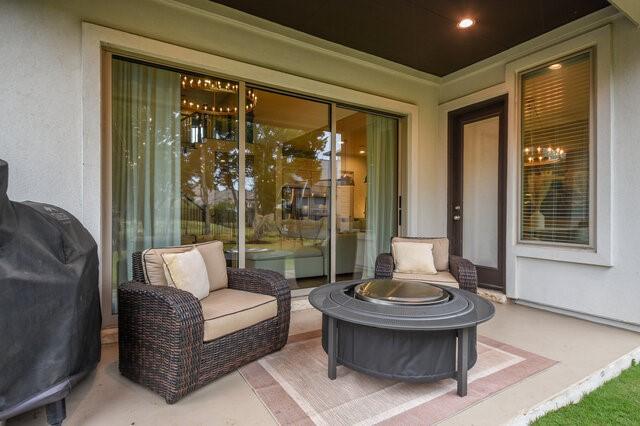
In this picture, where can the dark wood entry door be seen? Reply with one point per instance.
(477, 188)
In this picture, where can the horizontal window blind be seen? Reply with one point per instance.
(555, 110)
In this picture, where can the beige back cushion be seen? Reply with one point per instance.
(440, 250)
(211, 252)
(213, 255)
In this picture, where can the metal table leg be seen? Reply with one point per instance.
(463, 361)
(332, 346)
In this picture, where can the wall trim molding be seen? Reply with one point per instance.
(580, 315)
(600, 253)
(555, 36)
(265, 28)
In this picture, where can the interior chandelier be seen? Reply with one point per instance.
(219, 105)
(540, 156)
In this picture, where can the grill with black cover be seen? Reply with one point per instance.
(49, 305)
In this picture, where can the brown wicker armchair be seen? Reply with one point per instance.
(161, 333)
(462, 269)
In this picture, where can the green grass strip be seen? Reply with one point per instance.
(616, 402)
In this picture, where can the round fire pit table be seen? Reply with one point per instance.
(401, 330)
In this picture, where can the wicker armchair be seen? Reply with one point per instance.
(462, 269)
(161, 333)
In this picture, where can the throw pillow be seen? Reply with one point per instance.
(413, 257)
(187, 272)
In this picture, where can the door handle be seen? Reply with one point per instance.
(456, 213)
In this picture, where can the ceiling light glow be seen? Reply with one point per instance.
(466, 23)
(555, 66)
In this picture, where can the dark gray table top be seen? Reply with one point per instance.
(462, 310)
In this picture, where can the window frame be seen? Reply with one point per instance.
(592, 149)
(99, 42)
(599, 251)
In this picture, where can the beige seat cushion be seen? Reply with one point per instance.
(440, 250)
(227, 310)
(442, 277)
(211, 252)
(413, 257)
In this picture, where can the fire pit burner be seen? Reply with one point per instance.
(395, 292)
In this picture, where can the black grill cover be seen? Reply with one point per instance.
(49, 303)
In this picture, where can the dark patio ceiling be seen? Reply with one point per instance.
(422, 34)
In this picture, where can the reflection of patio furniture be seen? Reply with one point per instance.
(452, 270)
(313, 261)
(346, 253)
(309, 262)
(174, 343)
(273, 260)
(304, 229)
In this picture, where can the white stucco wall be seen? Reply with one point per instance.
(607, 292)
(41, 110)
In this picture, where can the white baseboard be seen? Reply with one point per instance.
(581, 315)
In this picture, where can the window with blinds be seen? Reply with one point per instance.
(555, 108)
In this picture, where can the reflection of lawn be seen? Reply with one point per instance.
(228, 236)
(276, 242)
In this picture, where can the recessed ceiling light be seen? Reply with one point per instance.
(555, 66)
(466, 23)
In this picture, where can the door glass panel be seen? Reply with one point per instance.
(174, 161)
(209, 162)
(288, 183)
(480, 192)
(366, 156)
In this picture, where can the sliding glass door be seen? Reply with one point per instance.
(367, 190)
(288, 183)
(181, 174)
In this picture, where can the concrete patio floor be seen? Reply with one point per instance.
(580, 347)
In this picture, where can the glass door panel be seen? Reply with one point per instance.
(174, 157)
(288, 183)
(481, 154)
(367, 190)
(209, 166)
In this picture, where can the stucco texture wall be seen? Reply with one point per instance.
(41, 114)
(606, 292)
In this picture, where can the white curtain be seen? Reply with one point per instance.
(382, 145)
(145, 161)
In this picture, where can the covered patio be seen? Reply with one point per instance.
(456, 178)
(581, 349)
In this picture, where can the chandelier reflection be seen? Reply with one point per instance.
(541, 156)
(209, 110)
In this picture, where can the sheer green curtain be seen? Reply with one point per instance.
(145, 161)
(382, 143)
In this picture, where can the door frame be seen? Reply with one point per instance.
(456, 119)
(404, 120)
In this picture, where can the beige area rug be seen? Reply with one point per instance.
(300, 304)
(293, 384)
